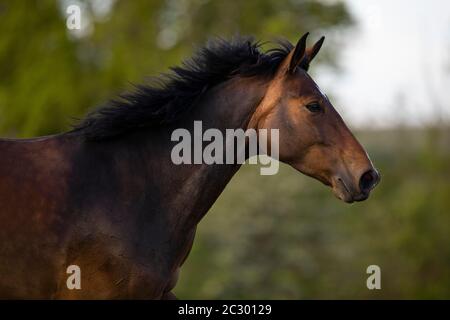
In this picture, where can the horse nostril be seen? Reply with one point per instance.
(368, 180)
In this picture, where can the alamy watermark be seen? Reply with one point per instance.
(234, 148)
(73, 21)
(73, 281)
(374, 280)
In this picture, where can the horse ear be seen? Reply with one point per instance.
(311, 53)
(298, 53)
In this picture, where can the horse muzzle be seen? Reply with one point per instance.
(346, 190)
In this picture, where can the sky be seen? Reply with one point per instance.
(395, 64)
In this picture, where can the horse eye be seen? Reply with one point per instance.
(314, 107)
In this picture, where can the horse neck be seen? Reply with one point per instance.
(227, 106)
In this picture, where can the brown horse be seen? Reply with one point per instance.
(106, 196)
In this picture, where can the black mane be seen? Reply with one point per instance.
(172, 94)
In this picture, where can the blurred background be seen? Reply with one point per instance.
(385, 65)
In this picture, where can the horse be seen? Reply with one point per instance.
(105, 196)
